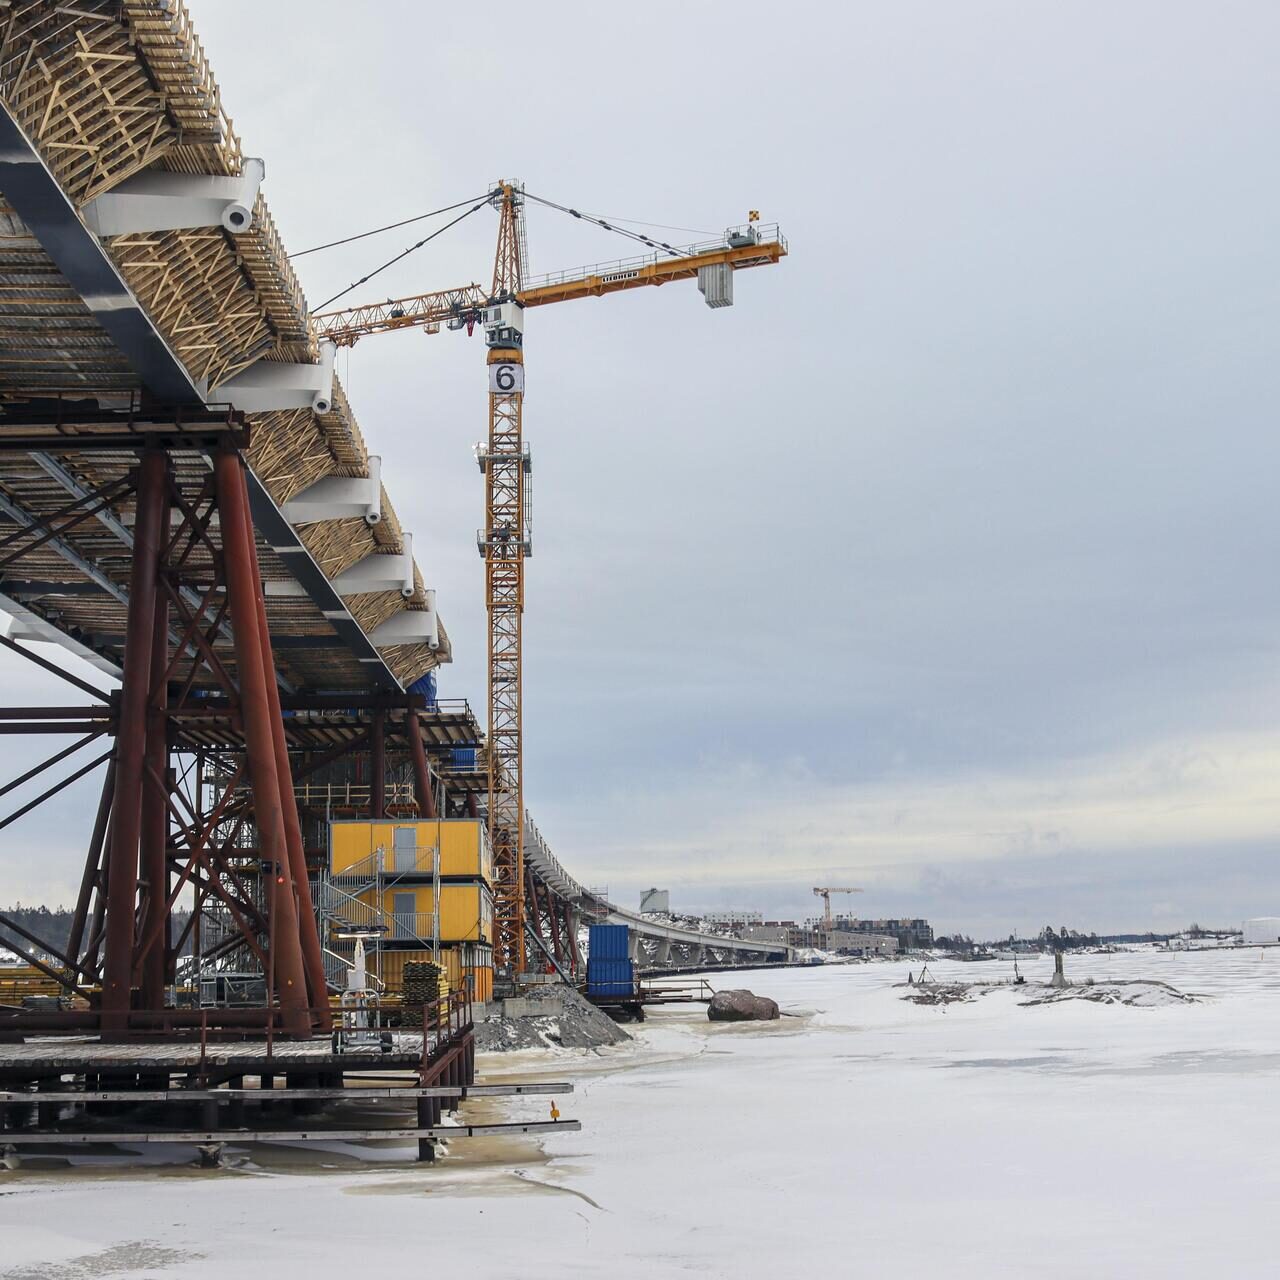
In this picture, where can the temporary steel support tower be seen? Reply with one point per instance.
(161, 831)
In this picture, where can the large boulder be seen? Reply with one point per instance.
(741, 1006)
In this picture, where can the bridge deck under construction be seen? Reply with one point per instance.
(91, 95)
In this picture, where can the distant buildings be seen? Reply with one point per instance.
(861, 944)
(818, 938)
(911, 935)
(738, 917)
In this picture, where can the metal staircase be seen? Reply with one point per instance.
(354, 900)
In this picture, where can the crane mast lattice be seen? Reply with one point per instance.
(504, 546)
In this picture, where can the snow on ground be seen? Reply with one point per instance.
(866, 1136)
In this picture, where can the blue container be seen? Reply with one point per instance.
(614, 989)
(610, 978)
(607, 942)
(464, 757)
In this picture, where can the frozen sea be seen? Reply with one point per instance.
(864, 1136)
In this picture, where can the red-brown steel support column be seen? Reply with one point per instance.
(268, 810)
(155, 813)
(553, 914)
(571, 921)
(312, 955)
(92, 866)
(421, 769)
(378, 768)
(126, 818)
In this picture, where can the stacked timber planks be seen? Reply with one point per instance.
(424, 983)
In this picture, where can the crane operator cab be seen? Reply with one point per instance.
(504, 325)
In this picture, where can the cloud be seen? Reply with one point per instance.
(943, 559)
(734, 827)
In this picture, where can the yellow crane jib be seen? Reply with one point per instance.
(464, 307)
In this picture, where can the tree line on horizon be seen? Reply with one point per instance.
(54, 926)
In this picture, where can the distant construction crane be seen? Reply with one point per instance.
(825, 895)
(506, 539)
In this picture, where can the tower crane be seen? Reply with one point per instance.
(825, 895)
(506, 539)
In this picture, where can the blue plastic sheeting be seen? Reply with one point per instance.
(426, 686)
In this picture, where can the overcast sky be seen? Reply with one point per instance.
(943, 563)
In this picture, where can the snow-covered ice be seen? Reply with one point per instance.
(865, 1136)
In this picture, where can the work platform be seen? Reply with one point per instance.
(84, 1091)
(41, 1058)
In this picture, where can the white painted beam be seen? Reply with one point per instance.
(157, 200)
(270, 385)
(387, 572)
(339, 498)
(410, 626)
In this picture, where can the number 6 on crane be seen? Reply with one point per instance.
(506, 378)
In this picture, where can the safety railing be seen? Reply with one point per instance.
(764, 234)
(412, 926)
(445, 1022)
(387, 864)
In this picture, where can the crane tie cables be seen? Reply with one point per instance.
(609, 226)
(391, 226)
(355, 284)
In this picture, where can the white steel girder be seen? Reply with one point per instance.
(410, 626)
(269, 385)
(339, 498)
(387, 571)
(156, 200)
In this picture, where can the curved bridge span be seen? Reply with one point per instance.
(655, 943)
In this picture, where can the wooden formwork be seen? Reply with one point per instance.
(107, 89)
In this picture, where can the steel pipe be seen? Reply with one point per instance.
(92, 864)
(131, 742)
(378, 767)
(421, 769)
(155, 811)
(312, 953)
(242, 588)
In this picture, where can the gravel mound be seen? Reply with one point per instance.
(564, 1020)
